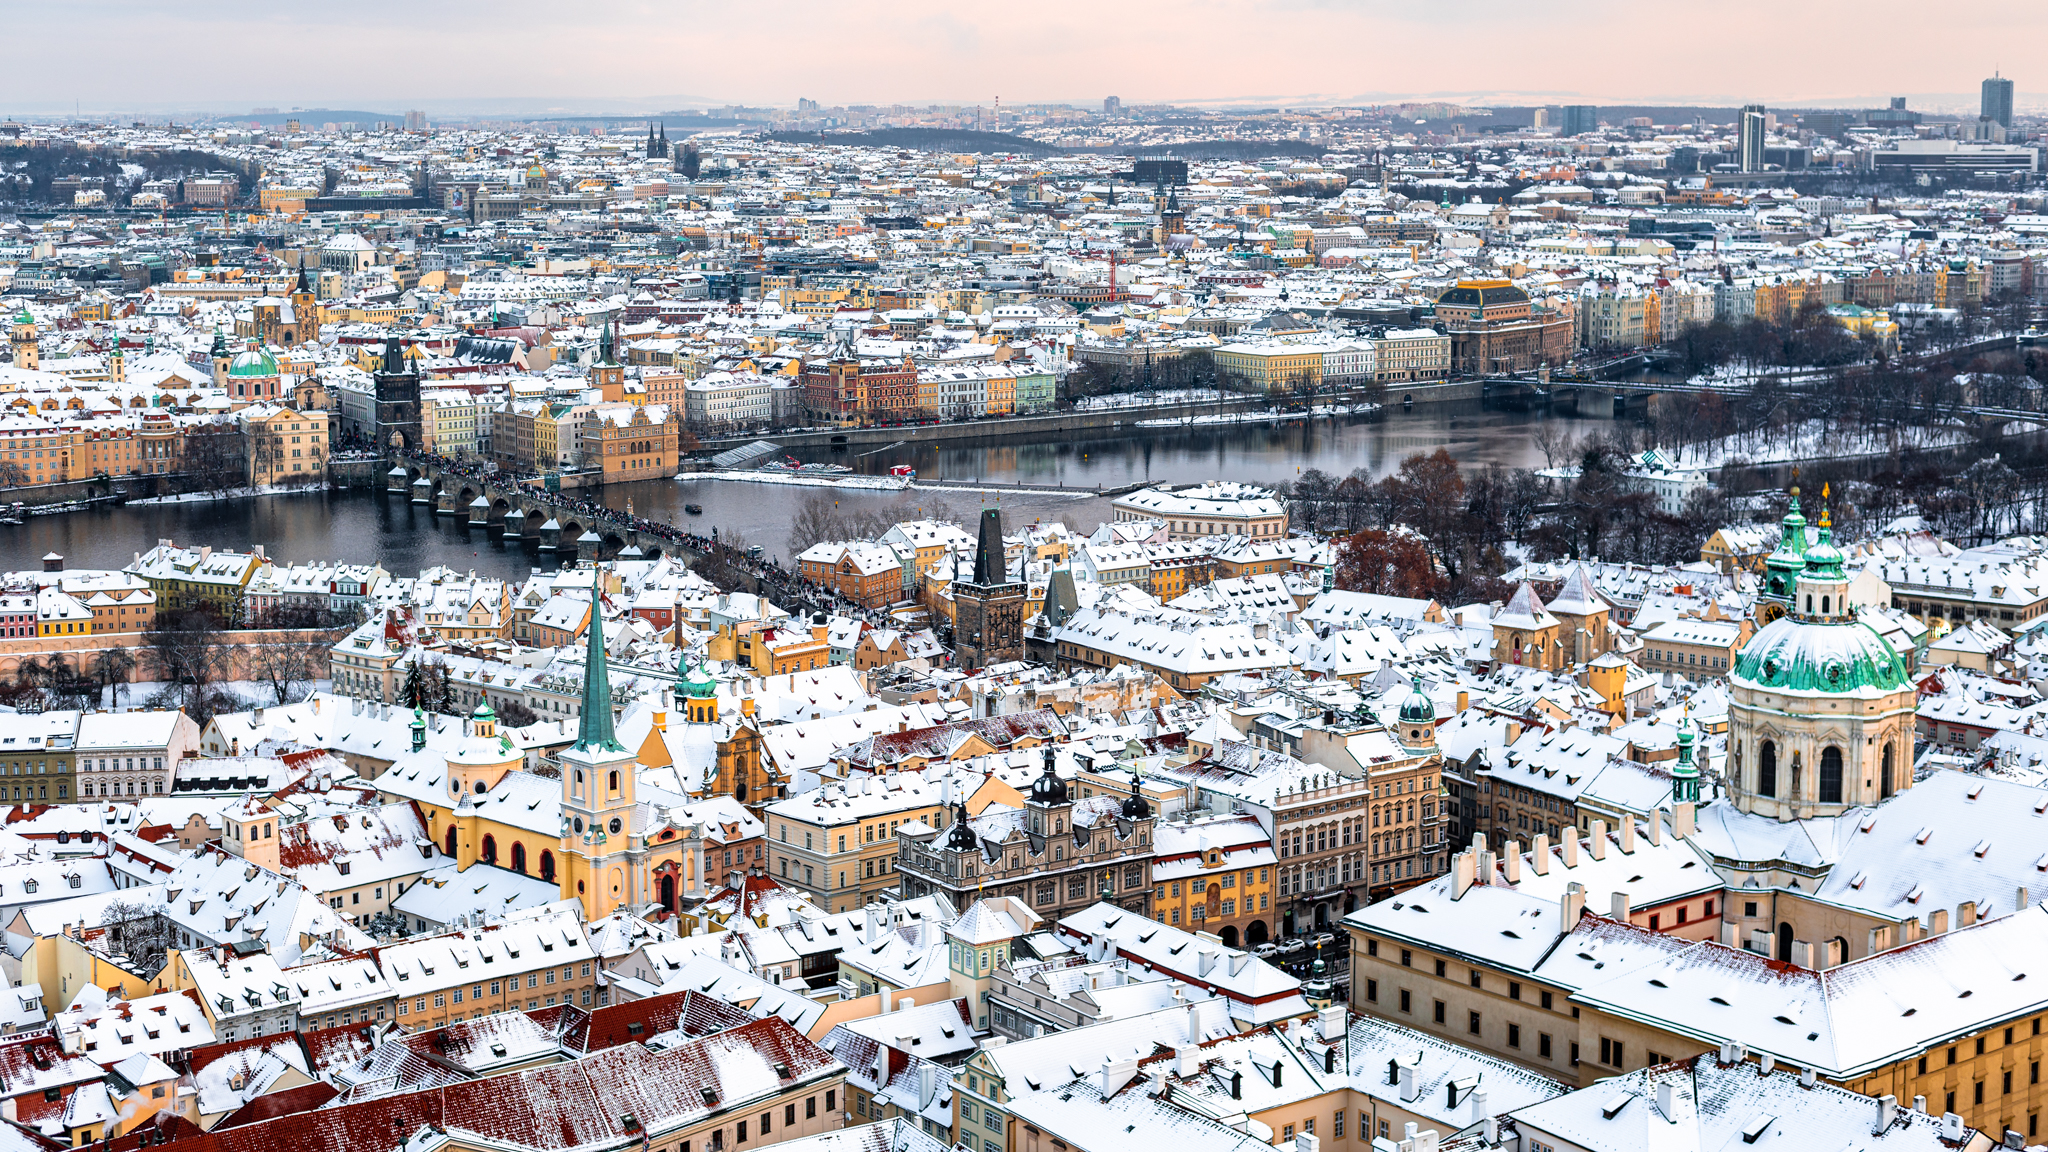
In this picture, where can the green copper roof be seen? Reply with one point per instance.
(1417, 708)
(254, 362)
(594, 727)
(1845, 656)
(699, 683)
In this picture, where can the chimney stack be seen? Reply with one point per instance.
(1599, 839)
(1682, 820)
(1539, 853)
(1512, 860)
(1571, 906)
(1617, 906)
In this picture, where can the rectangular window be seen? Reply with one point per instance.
(1372, 991)
(1514, 1035)
(740, 1133)
(1514, 990)
(1543, 1045)
(1472, 1023)
(1404, 1000)
(1543, 998)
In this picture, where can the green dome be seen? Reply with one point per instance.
(484, 711)
(253, 362)
(1802, 656)
(1417, 709)
(699, 683)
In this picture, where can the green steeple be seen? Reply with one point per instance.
(1685, 778)
(594, 728)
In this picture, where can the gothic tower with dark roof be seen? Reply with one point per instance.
(988, 610)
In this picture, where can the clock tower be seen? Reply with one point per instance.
(599, 812)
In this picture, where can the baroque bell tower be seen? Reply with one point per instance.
(598, 805)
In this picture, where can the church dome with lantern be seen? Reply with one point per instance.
(1821, 707)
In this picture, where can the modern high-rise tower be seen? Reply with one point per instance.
(1749, 141)
(1997, 102)
(1580, 119)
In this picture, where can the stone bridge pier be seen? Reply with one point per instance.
(520, 513)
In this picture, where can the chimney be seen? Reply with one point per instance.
(1462, 867)
(1306, 1142)
(1667, 1100)
(1539, 853)
(1966, 913)
(1570, 839)
(1485, 871)
(1482, 1114)
(1937, 922)
(1511, 860)
(1920, 1105)
(1408, 1090)
(1599, 839)
(1628, 834)
(2020, 902)
(1887, 1111)
(1571, 906)
(1464, 699)
(1802, 954)
(1951, 1127)
(1656, 830)
(1808, 1077)
(1330, 1023)
(1682, 820)
(1187, 1060)
(1617, 906)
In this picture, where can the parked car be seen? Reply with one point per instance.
(1265, 950)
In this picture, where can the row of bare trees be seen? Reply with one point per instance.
(193, 656)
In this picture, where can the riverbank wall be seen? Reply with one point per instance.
(1086, 420)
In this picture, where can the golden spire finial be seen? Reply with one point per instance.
(1825, 522)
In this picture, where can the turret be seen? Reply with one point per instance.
(1685, 777)
(1782, 566)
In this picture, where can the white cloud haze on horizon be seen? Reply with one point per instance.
(376, 54)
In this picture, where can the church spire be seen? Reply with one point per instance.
(594, 727)
(1685, 778)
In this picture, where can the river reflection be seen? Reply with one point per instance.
(357, 527)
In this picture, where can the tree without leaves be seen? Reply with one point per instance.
(191, 655)
(140, 931)
(1386, 563)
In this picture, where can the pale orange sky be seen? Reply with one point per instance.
(380, 54)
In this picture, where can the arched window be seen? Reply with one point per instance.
(547, 864)
(1809, 603)
(489, 852)
(1823, 605)
(518, 857)
(1767, 769)
(1785, 943)
(1831, 775)
(1884, 772)
(449, 847)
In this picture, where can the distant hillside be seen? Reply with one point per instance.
(1213, 149)
(926, 140)
(315, 117)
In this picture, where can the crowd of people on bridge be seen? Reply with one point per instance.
(772, 580)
